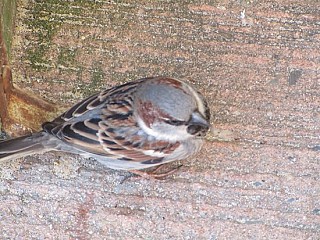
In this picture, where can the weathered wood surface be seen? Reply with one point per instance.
(258, 64)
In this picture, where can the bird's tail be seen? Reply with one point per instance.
(26, 145)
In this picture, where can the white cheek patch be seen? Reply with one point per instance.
(166, 132)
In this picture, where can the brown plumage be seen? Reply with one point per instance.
(132, 126)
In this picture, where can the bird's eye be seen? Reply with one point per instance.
(175, 122)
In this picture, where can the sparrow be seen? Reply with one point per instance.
(137, 125)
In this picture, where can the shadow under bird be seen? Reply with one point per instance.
(133, 126)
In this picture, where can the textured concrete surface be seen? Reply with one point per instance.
(258, 64)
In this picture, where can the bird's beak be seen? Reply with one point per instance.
(199, 120)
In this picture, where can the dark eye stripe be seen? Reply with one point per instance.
(175, 122)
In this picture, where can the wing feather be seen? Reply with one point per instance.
(104, 124)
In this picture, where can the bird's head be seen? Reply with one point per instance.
(171, 110)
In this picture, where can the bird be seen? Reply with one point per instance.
(133, 126)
